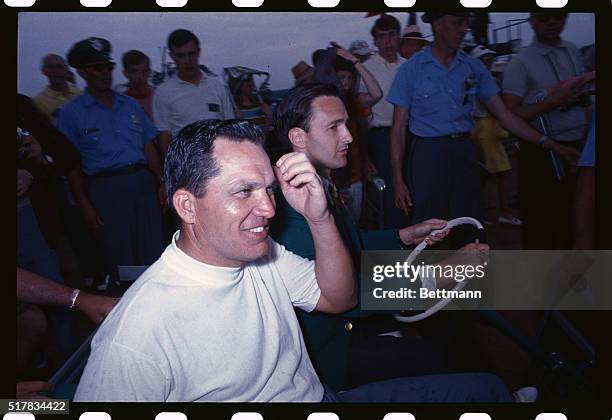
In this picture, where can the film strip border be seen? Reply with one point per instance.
(303, 5)
(312, 3)
(585, 411)
(315, 412)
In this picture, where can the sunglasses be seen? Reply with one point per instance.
(100, 67)
(547, 17)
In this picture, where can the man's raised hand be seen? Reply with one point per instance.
(302, 186)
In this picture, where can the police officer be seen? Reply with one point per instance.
(118, 158)
(438, 88)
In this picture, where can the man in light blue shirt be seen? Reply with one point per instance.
(122, 169)
(438, 88)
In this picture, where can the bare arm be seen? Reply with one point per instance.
(374, 93)
(527, 112)
(398, 150)
(524, 131)
(164, 142)
(303, 190)
(153, 160)
(155, 165)
(90, 216)
(35, 289)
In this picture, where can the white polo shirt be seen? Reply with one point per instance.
(178, 103)
(384, 72)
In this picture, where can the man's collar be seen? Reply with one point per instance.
(130, 92)
(546, 48)
(384, 60)
(89, 99)
(428, 56)
(179, 80)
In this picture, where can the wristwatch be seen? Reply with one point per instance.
(73, 297)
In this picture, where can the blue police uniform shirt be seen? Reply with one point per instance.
(107, 138)
(440, 101)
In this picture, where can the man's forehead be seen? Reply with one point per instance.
(328, 108)
(54, 60)
(456, 19)
(228, 151)
(189, 46)
(144, 65)
(242, 163)
(379, 32)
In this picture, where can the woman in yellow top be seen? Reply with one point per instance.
(488, 135)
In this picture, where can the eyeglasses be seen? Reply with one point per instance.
(547, 17)
(100, 67)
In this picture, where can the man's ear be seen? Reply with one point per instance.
(297, 137)
(184, 204)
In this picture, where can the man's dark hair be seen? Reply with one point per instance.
(134, 58)
(344, 64)
(190, 163)
(318, 56)
(180, 37)
(295, 109)
(385, 23)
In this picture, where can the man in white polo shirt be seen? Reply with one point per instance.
(189, 95)
(383, 65)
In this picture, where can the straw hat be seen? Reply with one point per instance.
(302, 72)
(413, 32)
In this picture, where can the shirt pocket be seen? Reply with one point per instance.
(135, 126)
(135, 132)
(89, 137)
(427, 99)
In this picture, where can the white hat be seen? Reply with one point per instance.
(361, 47)
(481, 50)
(499, 66)
(413, 32)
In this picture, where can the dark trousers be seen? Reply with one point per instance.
(444, 180)
(129, 209)
(379, 152)
(372, 357)
(459, 387)
(546, 202)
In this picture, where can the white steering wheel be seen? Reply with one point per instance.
(460, 285)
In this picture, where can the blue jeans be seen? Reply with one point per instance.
(447, 388)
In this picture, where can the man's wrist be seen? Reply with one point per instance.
(401, 242)
(543, 140)
(549, 144)
(321, 221)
